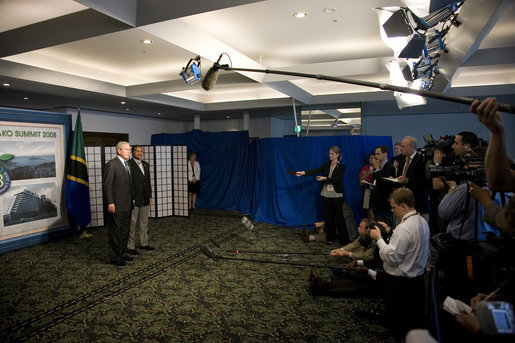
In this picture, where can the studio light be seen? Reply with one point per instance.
(437, 17)
(191, 73)
(399, 30)
(414, 47)
(398, 70)
(398, 25)
(434, 44)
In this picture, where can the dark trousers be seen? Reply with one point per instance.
(334, 220)
(404, 302)
(355, 285)
(119, 225)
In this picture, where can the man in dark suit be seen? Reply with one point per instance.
(383, 188)
(118, 197)
(412, 174)
(140, 173)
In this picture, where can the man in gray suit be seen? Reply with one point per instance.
(140, 172)
(119, 199)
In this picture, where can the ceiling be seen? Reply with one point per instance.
(89, 53)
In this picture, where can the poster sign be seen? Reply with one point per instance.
(31, 174)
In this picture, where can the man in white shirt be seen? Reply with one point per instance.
(404, 260)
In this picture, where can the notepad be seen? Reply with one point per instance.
(456, 307)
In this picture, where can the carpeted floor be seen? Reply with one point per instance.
(66, 291)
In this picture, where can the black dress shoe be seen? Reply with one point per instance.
(118, 263)
(128, 258)
(147, 247)
(133, 252)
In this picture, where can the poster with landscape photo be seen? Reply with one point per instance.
(31, 178)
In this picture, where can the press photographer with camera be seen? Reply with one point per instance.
(404, 261)
(351, 281)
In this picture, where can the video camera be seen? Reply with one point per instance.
(444, 144)
(462, 169)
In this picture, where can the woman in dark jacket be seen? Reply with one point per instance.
(332, 195)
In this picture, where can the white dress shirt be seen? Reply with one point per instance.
(407, 253)
(195, 171)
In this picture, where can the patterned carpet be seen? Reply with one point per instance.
(66, 291)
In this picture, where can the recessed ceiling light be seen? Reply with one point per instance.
(6, 84)
(25, 98)
(127, 109)
(228, 117)
(122, 102)
(146, 41)
(330, 9)
(300, 14)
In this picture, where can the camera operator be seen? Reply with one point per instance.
(485, 321)
(463, 143)
(456, 206)
(404, 260)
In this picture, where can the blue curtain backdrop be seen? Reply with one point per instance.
(253, 178)
(224, 166)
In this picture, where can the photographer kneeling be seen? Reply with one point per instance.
(351, 281)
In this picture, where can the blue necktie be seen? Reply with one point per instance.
(126, 167)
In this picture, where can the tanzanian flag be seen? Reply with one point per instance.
(77, 182)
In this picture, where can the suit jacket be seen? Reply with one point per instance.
(383, 188)
(337, 177)
(417, 182)
(117, 185)
(140, 183)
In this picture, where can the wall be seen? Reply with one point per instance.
(139, 128)
(262, 127)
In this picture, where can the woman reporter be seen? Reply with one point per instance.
(332, 195)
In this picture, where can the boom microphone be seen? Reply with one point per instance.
(508, 108)
(208, 252)
(211, 77)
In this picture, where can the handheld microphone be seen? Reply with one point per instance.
(208, 252)
(211, 77)
(218, 245)
(249, 226)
